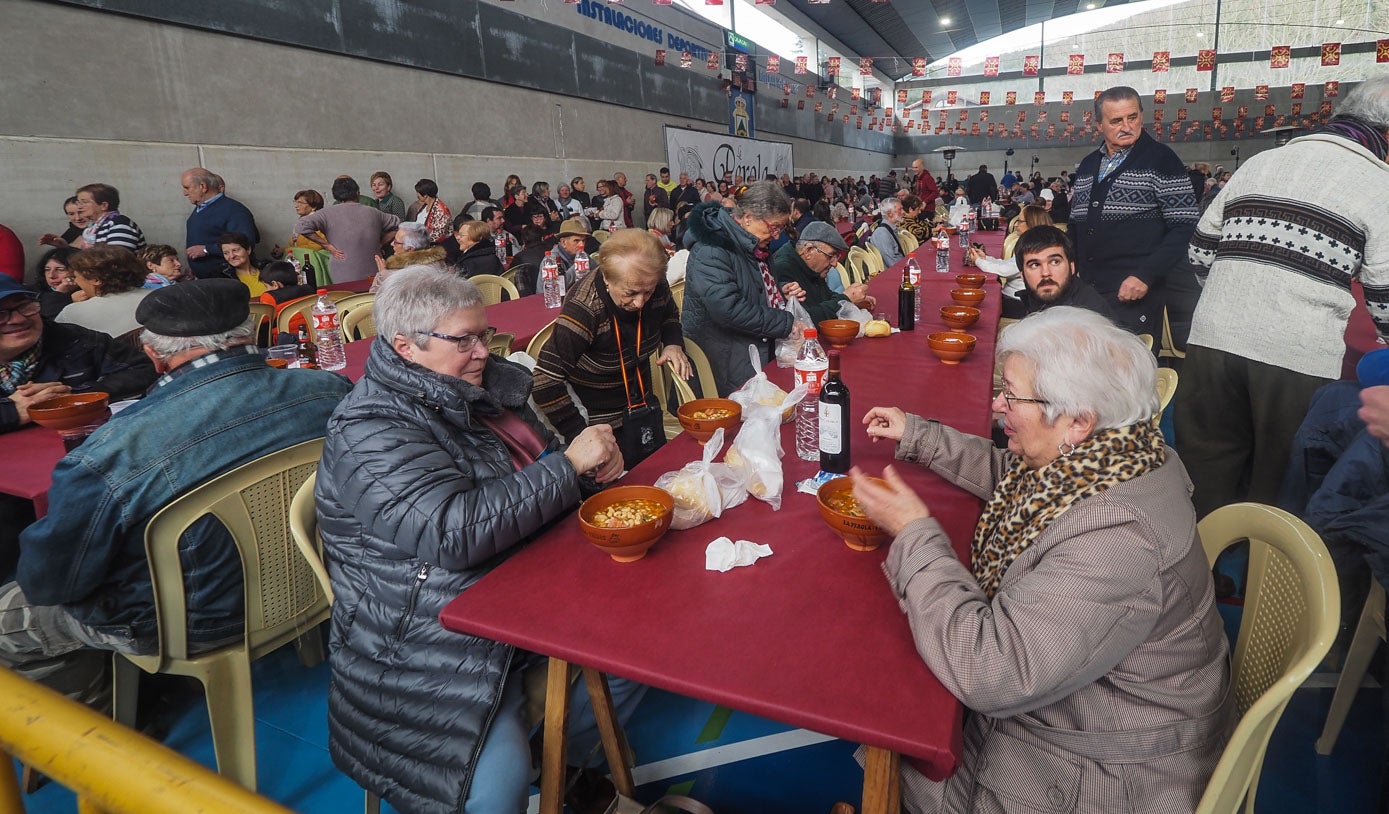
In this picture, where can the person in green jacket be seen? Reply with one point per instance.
(802, 265)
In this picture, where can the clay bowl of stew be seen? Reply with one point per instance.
(70, 411)
(701, 418)
(967, 296)
(841, 512)
(950, 346)
(624, 522)
(970, 280)
(959, 316)
(839, 332)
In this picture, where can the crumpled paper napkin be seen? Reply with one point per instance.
(724, 555)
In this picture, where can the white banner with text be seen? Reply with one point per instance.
(709, 155)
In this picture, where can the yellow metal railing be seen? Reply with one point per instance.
(112, 769)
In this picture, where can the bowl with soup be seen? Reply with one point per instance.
(702, 417)
(844, 515)
(624, 522)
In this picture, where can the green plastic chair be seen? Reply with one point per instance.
(1291, 614)
(283, 598)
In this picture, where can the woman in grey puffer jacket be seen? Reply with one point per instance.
(434, 468)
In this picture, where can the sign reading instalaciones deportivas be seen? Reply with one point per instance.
(709, 155)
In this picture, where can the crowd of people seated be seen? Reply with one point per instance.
(429, 455)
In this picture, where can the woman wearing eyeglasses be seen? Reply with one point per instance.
(731, 295)
(1083, 633)
(434, 468)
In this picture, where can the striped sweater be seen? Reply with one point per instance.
(1278, 247)
(582, 353)
(1137, 221)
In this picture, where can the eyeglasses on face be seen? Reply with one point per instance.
(833, 256)
(1012, 400)
(25, 309)
(467, 342)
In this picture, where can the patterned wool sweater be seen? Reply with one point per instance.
(1137, 221)
(1278, 247)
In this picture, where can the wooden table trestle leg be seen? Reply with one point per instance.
(614, 739)
(882, 781)
(558, 686)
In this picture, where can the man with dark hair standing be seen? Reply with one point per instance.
(666, 183)
(213, 215)
(1132, 213)
(981, 185)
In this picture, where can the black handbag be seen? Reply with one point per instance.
(643, 428)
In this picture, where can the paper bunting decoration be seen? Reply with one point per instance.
(918, 66)
(1217, 113)
(991, 66)
(1191, 94)
(1227, 93)
(660, 56)
(1280, 56)
(1067, 97)
(1075, 66)
(1115, 63)
(845, 120)
(661, 2)
(819, 106)
(786, 89)
(1097, 93)
(686, 59)
(925, 97)
(1325, 109)
(834, 91)
(984, 100)
(1242, 112)
(887, 113)
(834, 67)
(1331, 90)
(1158, 116)
(855, 94)
(740, 62)
(1181, 114)
(1030, 65)
(1205, 59)
(1331, 54)
(964, 115)
(800, 64)
(1260, 92)
(902, 96)
(1160, 96)
(1039, 98)
(1011, 97)
(865, 66)
(853, 110)
(877, 94)
(810, 91)
(773, 63)
(713, 2)
(1042, 116)
(1269, 110)
(764, 3)
(1297, 108)
(835, 108)
(800, 104)
(1162, 61)
(1297, 90)
(1022, 116)
(954, 66)
(951, 96)
(1066, 116)
(785, 102)
(712, 63)
(1381, 50)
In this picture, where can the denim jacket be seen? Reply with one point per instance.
(88, 552)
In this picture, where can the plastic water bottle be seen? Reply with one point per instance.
(328, 331)
(914, 271)
(581, 265)
(298, 270)
(811, 365)
(550, 284)
(965, 229)
(499, 242)
(942, 251)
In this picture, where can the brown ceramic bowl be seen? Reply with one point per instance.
(858, 533)
(632, 542)
(839, 332)
(950, 346)
(70, 411)
(970, 280)
(703, 428)
(967, 296)
(958, 316)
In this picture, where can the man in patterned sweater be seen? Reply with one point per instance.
(1132, 213)
(1276, 270)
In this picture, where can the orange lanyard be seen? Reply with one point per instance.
(617, 331)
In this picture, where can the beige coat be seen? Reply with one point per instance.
(1098, 675)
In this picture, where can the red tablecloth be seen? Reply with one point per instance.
(26, 464)
(810, 636)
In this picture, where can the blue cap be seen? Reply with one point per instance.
(1373, 369)
(10, 286)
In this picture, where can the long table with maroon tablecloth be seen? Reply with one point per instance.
(810, 636)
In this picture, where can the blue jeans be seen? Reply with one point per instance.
(501, 781)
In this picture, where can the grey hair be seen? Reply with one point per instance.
(889, 205)
(413, 301)
(1084, 365)
(1118, 93)
(206, 177)
(166, 347)
(1368, 102)
(763, 199)
(413, 236)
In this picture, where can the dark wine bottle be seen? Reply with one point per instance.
(834, 421)
(906, 303)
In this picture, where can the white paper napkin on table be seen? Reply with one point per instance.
(724, 555)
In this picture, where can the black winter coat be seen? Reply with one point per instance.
(480, 258)
(416, 501)
(85, 360)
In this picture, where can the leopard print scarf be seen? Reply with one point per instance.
(1027, 500)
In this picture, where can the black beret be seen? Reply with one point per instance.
(195, 308)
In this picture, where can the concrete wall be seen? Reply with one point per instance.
(1054, 159)
(146, 100)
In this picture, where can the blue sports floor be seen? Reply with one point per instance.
(740, 764)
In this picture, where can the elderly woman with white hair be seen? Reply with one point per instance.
(409, 247)
(1083, 634)
(434, 469)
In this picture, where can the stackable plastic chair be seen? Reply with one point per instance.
(703, 372)
(304, 306)
(859, 263)
(265, 317)
(875, 261)
(1368, 634)
(1291, 613)
(538, 341)
(284, 601)
(908, 241)
(359, 323)
(501, 343)
(1166, 387)
(1168, 348)
(303, 526)
(677, 293)
(493, 287)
